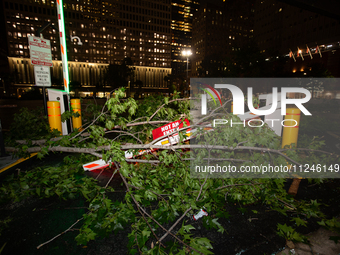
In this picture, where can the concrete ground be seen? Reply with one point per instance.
(320, 244)
(6, 162)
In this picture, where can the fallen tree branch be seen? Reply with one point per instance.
(159, 108)
(131, 124)
(107, 184)
(138, 206)
(241, 184)
(174, 147)
(175, 224)
(67, 230)
(153, 219)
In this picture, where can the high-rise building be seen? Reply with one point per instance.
(279, 26)
(109, 31)
(181, 32)
(307, 32)
(219, 30)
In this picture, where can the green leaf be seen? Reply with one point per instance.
(187, 228)
(300, 222)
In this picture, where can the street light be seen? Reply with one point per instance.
(187, 54)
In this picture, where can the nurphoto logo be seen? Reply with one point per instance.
(238, 99)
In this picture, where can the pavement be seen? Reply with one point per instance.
(10, 162)
(319, 244)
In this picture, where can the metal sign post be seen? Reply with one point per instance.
(43, 79)
(41, 58)
(63, 48)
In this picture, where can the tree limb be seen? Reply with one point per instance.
(69, 229)
(159, 108)
(141, 208)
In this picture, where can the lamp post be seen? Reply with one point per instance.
(187, 54)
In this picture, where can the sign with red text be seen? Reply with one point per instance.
(168, 128)
(40, 51)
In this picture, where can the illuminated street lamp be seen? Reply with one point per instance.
(187, 54)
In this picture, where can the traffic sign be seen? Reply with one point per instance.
(40, 51)
(42, 76)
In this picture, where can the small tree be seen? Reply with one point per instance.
(117, 76)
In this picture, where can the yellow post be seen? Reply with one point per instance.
(232, 108)
(54, 116)
(289, 136)
(291, 127)
(76, 107)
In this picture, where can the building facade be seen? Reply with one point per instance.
(109, 31)
(181, 32)
(89, 75)
(308, 34)
(219, 30)
(281, 27)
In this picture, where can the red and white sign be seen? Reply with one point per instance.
(94, 165)
(40, 51)
(168, 128)
(158, 132)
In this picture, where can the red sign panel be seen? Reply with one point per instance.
(168, 128)
(40, 51)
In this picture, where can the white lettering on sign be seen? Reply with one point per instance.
(167, 129)
(40, 51)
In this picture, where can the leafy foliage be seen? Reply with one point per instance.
(161, 193)
(32, 122)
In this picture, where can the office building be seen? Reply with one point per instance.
(181, 32)
(109, 31)
(306, 33)
(219, 30)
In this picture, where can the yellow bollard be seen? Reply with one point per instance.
(54, 116)
(289, 136)
(232, 108)
(76, 107)
(291, 127)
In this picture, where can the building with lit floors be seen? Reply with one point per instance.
(307, 34)
(220, 30)
(181, 33)
(279, 26)
(109, 31)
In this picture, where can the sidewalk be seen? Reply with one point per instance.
(7, 163)
(319, 244)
